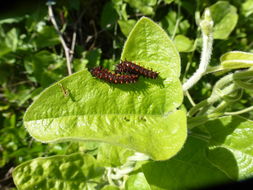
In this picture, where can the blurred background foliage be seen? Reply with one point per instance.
(32, 58)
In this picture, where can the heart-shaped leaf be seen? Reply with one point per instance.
(225, 18)
(140, 116)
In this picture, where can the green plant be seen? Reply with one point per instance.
(157, 134)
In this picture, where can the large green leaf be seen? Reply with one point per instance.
(189, 169)
(139, 116)
(76, 171)
(225, 18)
(232, 141)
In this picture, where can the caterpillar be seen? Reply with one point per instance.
(115, 78)
(129, 67)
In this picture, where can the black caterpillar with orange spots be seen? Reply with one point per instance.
(105, 74)
(131, 68)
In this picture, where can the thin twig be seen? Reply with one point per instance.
(190, 98)
(177, 22)
(65, 47)
(73, 44)
(95, 35)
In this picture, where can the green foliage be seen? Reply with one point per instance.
(184, 44)
(149, 116)
(137, 181)
(76, 171)
(189, 162)
(46, 37)
(110, 187)
(168, 1)
(225, 18)
(231, 140)
(112, 156)
(88, 112)
(44, 67)
(109, 16)
(126, 26)
(144, 6)
(174, 23)
(247, 8)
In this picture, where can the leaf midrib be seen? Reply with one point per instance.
(152, 115)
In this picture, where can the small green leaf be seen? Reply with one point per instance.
(76, 171)
(189, 169)
(79, 64)
(137, 181)
(93, 57)
(126, 26)
(46, 37)
(11, 39)
(225, 18)
(247, 8)
(236, 60)
(232, 141)
(145, 6)
(109, 16)
(3, 46)
(12, 20)
(169, 23)
(44, 67)
(184, 44)
(89, 59)
(168, 1)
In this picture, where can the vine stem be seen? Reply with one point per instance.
(72, 46)
(240, 112)
(124, 170)
(65, 47)
(207, 35)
